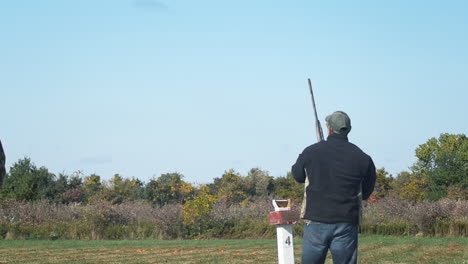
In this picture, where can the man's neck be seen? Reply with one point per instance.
(338, 136)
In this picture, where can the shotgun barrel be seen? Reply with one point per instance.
(318, 127)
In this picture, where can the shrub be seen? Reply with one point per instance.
(168, 219)
(141, 220)
(395, 216)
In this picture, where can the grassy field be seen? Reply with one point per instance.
(373, 249)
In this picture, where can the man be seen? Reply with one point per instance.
(2, 165)
(336, 170)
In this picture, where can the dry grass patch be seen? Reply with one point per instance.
(373, 249)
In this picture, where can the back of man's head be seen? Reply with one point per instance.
(339, 122)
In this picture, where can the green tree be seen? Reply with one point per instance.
(259, 183)
(121, 189)
(60, 186)
(92, 188)
(230, 188)
(383, 183)
(196, 212)
(443, 162)
(75, 180)
(168, 188)
(74, 192)
(288, 188)
(410, 186)
(27, 182)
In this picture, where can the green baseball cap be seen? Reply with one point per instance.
(340, 123)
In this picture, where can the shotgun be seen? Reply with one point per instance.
(319, 132)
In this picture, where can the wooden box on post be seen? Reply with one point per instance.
(288, 217)
(284, 217)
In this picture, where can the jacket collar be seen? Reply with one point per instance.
(337, 137)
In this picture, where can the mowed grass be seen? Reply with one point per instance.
(373, 249)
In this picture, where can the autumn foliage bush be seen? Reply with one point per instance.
(143, 220)
(392, 215)
(103, 220)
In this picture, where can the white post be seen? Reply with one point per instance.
(285, 244)
(283, 217)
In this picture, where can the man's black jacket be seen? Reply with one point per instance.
(335, 169)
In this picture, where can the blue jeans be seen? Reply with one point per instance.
(340, 238)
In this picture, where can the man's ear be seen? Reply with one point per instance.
(330, 130)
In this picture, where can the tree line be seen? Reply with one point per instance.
(440, 171)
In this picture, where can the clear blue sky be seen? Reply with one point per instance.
(144, 87)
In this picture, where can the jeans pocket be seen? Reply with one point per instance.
(314, 233)
(346, 229)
